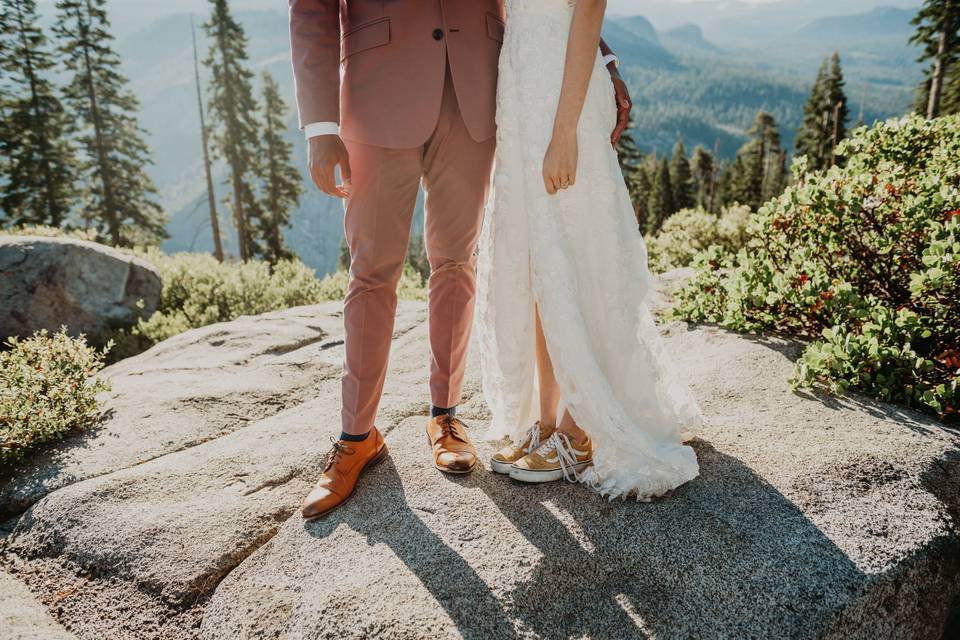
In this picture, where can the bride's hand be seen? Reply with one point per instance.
(560, 162)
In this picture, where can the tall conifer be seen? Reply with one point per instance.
(660, 204)
(825, 116)
(938, 35)
(234, 124)
(38, 180)
(758, 174)
(704, 178)
(280, 181)
(120, 199)
(681, 178)
(631, 160)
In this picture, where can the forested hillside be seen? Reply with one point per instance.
(694, 77)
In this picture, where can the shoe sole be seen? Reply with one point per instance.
(503, 468)
(374, 461)
(454, 472)
(537, 477)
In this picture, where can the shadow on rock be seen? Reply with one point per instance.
(389, 520)
(725, 556)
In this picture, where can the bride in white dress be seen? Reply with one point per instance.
(560, 247)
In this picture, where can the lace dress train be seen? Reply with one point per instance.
(577, 257)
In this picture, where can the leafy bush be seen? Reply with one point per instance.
(690, 231)
(412, 285)
(46, 391)
(865, 259)
(47, 231)
(198, 290)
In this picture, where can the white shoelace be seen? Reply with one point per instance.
(533, 435)
(560, 443)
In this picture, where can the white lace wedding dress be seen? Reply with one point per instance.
(579, 258)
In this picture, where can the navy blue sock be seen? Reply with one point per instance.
(443, 411)
(349, 437)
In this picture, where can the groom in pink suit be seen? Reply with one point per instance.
(398, 93)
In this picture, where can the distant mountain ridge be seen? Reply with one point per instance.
(687, 37)
(685, 85)
(635, 39)
(878, 23)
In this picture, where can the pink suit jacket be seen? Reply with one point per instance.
(393, 56)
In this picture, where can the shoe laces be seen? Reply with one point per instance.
(453, 428)
(560, 443)
(533, 438)
(334, 455)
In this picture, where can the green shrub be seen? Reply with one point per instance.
(863, 259)
(690, 231)
(412, 285)
(46, 391)
(198, 290)
(47, 231)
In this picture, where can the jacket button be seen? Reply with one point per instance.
(438, 34)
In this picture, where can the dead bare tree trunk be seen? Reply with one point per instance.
(836, 132)
(211, 197)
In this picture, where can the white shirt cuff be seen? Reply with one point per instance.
(315, 129)
(610, 58)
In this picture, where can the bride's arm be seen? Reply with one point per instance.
(560, 162)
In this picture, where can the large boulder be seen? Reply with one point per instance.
(46, 283)
(814, 517)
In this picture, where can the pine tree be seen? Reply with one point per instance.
(120, 197)
(630, 158)
(641, 206)
(660, 205)
(775, 180)
(950, 100)
(681, 178)
(824, 116)
(234, 125)
(938, 35)
(38, 179)
(810, 139)
(704, 178)
(281, 182)
(837, 107)
(758, 173)
(723, 192)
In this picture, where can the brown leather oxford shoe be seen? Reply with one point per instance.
(345, 465)
(452, 450)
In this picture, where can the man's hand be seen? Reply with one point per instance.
(624, 103)
(323, 155)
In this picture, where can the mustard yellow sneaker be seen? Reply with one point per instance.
(556, 458)
(502, 460)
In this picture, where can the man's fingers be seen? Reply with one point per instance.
(623, 119)
(345, 174)
(327, 184)
(315, 176)
(617, 132)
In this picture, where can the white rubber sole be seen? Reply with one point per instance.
(536, 477)
(503, 468)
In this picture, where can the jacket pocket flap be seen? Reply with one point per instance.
(495, 28)
(366, 36)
